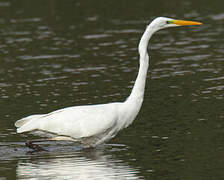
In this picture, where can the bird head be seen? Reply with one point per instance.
(163, 22)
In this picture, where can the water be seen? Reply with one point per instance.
(55, 54)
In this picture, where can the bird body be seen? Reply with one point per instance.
(90, 124)
(95, 124)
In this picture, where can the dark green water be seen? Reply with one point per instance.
(55, 54)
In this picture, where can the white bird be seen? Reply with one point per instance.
(95, 124)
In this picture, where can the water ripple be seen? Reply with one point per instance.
(214, 79)
(44, 57)
(96, 36)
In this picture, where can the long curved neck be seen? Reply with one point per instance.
(132, 105)
(138, 90)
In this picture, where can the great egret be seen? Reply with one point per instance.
(94, 124)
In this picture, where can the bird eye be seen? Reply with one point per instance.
(168, 22)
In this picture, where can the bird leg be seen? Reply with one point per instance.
(36, 147)
(61, 138)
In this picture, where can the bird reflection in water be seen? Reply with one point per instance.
(84, 165)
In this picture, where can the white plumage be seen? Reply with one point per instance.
(95, 124)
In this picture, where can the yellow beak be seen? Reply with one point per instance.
(185, 23)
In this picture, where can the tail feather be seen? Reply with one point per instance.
(25, 128)
(24, 125)
(23, 121)
(20, 122)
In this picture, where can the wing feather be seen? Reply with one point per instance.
(77, 122)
